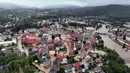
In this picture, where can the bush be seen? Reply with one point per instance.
(86, 71)
(55, 55)
(76, 52)
(61, 70)
(120, 60)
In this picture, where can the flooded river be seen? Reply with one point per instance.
(113, 45)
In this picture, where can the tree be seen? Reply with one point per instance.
(2, 60)
(124, 37)
(124, 46)
(28, 69)
(120, 61)
(106, 69)
(90, 66)
(16, 62)
(84, 42)
(13, 67)
(1, 71)
(11, 56)
(76, 52)
(61, 70)
(12, 34)
(86, 71)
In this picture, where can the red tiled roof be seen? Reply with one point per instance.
(53, 41)
(29, 38)
(77, 64)
(59, 57)
(31, 41)
(85, 30)
(50, 46)
(41, 49)
(76, 35)
(93, 39)
(31, 35)
(120, 39)
(98, 60)
(62, 41)
(44, 29)
(86, 47)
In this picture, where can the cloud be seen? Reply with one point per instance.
(42, 3)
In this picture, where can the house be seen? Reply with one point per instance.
(8, 42)
(98, 70)
(44, 29)
(76, 35)
(59, 57)
(77, 64)
(55, 66)
(68, 68)
(45, 38)
(64, 61)
(50, 46)
(98, 60)
(30, 39)
(46, 61)
(44, 53)
(93, 39)
(53, 69)
(2, 38)
(86, 46)
(31, 30)
(87, 35)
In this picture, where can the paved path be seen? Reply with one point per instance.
(20, 45)
(68, 49)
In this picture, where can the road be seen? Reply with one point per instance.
(20, 45)
(113, 45)
(25, 50)
(68, 49)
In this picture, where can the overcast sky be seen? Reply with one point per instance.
(43, 3)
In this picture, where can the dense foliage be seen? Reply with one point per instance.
(113, 63)
(14, 62)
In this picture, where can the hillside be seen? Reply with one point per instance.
(61, 6)
(108, 10)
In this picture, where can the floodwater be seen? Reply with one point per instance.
(113, 45)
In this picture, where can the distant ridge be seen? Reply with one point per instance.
(107, 10)
(60, 6)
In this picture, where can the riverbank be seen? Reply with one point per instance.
(120, 42)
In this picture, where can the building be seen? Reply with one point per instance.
(44, 30)
(30, 39)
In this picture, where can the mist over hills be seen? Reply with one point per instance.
(62, 6)
(15, 6)
(107, 10)
(11, 6)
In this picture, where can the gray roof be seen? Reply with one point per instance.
(97, 69)
(69, 67)
(47, 62)
(53, 69)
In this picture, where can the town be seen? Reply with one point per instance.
(61, 41)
